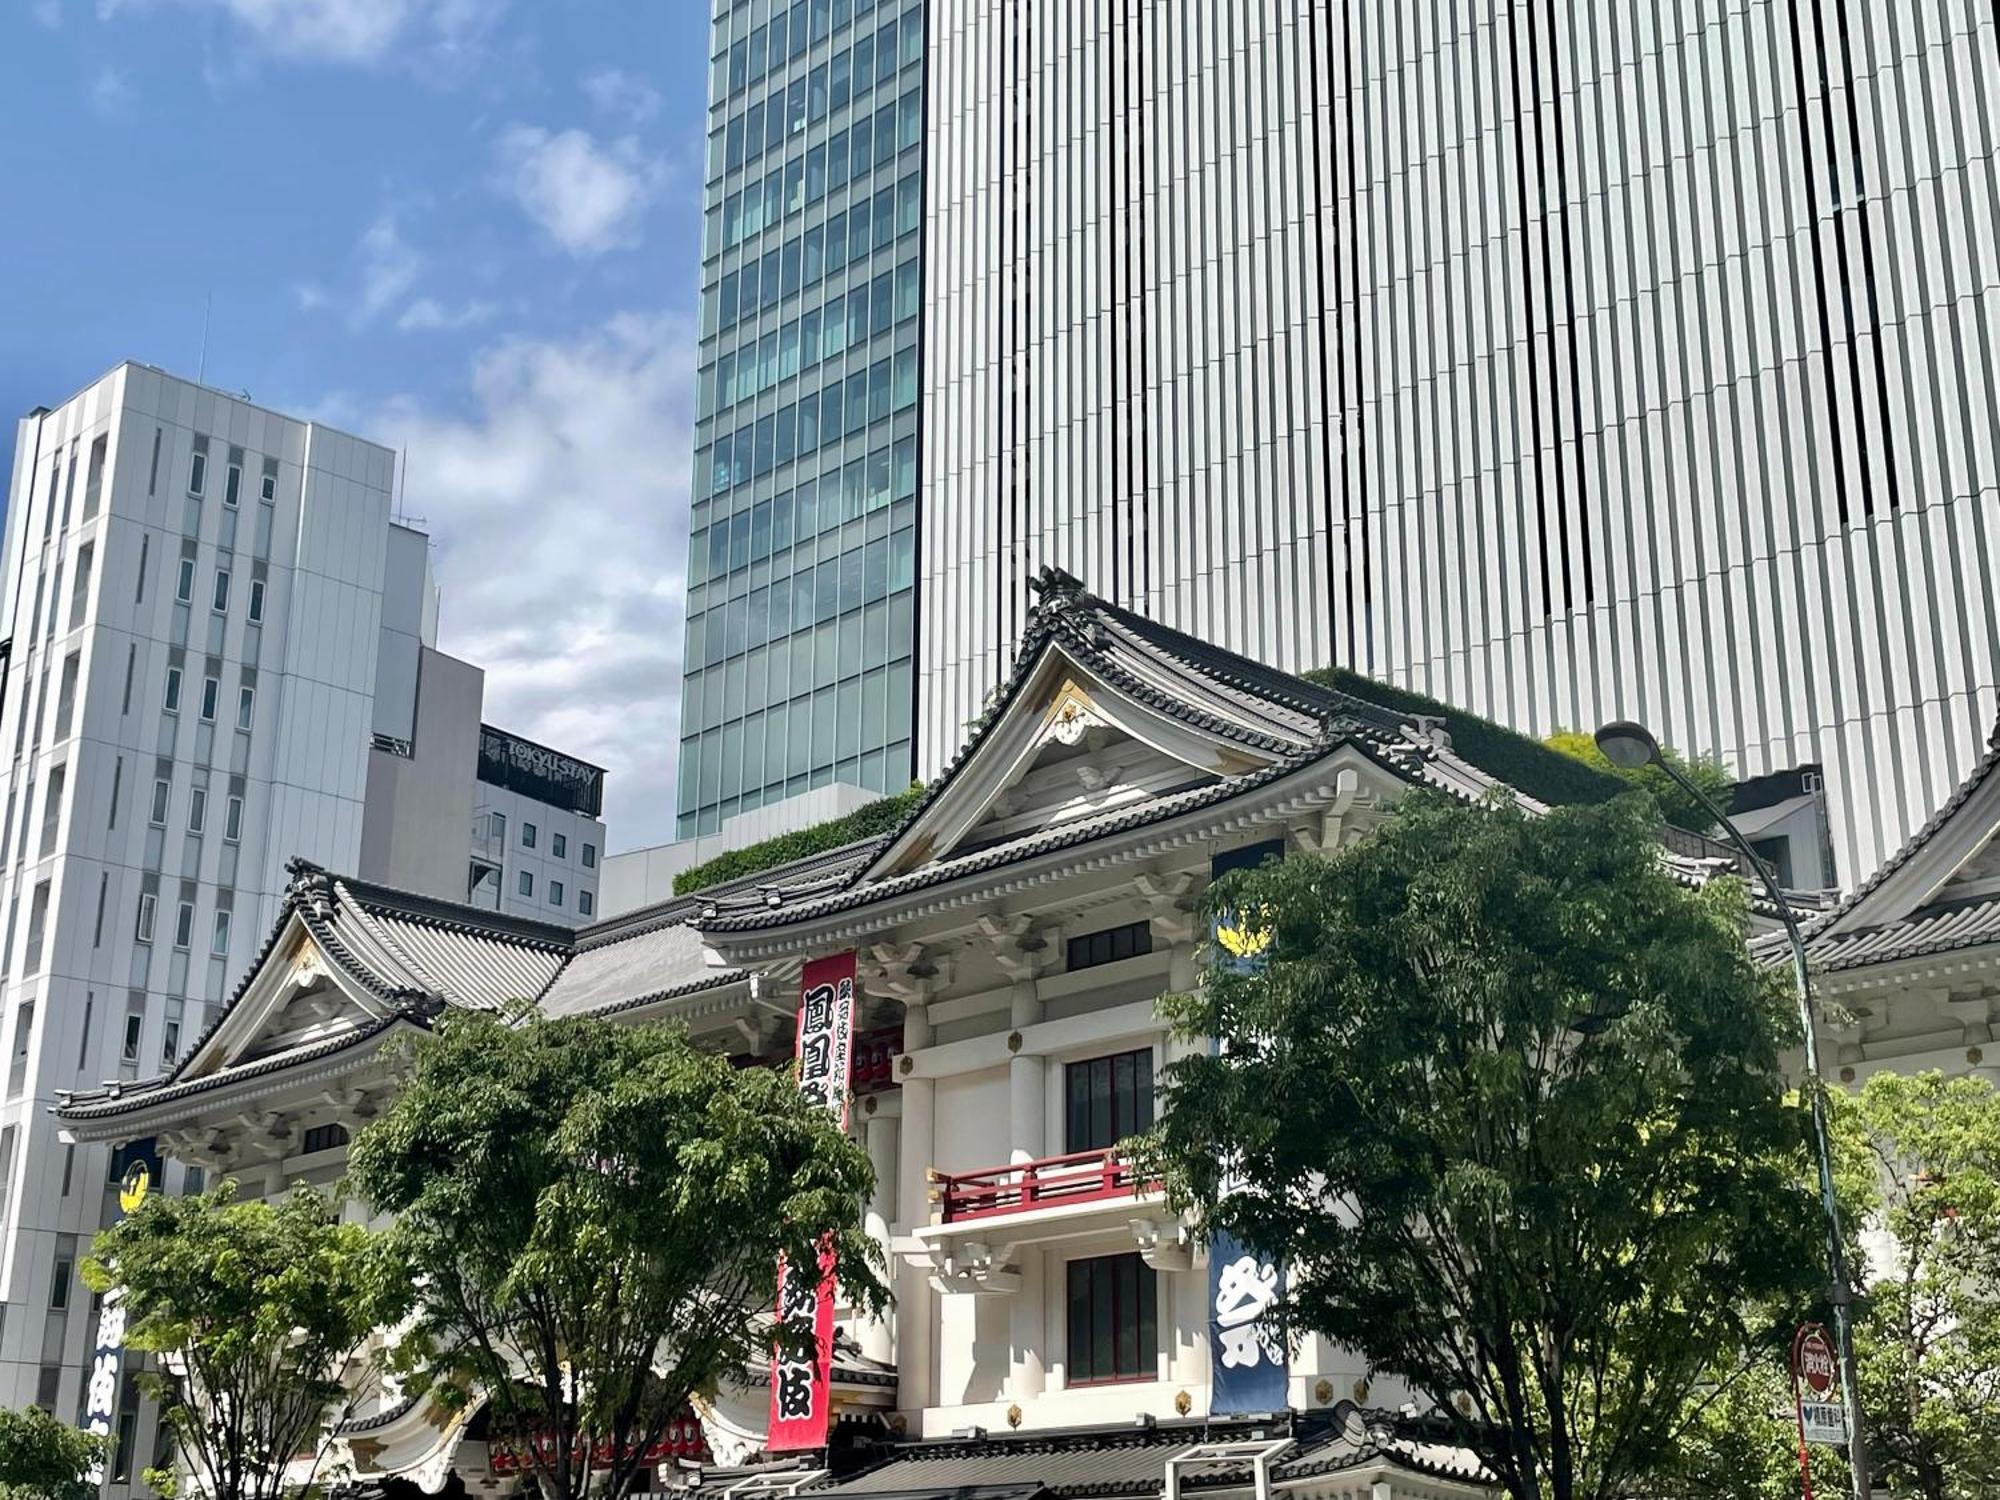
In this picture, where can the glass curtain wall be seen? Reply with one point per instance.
(801, 555)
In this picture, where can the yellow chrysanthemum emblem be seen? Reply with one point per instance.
(1242, 938)
(133, 1187)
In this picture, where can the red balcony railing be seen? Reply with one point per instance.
(1080, 1177)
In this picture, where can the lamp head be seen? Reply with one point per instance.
(1627, 745)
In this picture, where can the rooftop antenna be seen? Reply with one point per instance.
(201, 365)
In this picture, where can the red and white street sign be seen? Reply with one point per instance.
(1816, 1387)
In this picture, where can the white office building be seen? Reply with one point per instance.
(537, 831)
(219, 656)
(1559, 362)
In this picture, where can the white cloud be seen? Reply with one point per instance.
(427, 314)
(588, 197)
(621, 95)
(559, 509)
(111, 93)
(348, 31)
(389, 267)
(48, 13)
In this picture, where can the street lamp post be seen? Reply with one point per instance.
(1630, 746)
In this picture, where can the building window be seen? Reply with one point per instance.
(128, 1428)
(148, 904)
(79, 589)
(184, 925)
(590, 856)
(133, 1022)
(24, 1032)
(232, 484)
(232, 820)
(48, 1380)
(527, 835)
(170, 1040)
(269, 488)
(586, 904)
(1110, 945)
(218, 941)
(246, 707)
(38, 921)
(323, 1138)
(197, 473)
(61, 1276)
(1107, 1099)
(184, 585)
(220, 603)
(197, 810)
(1113, 1320)
(162, 789)
(256, 601)
(173, 698)
(211, 689)
(558, 846)
(527, 883)
(555, 893)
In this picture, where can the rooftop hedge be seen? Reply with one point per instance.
(866, 822)
(1520, 760)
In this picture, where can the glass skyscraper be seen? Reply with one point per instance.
(801, 559)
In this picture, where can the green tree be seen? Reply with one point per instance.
(596, 1213)
(1675, 805)
(1504, 1096)
(44, 1458)
(1928, 1344)
(262, 1314)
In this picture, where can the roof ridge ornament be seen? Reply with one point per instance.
(1056, 586)
(311, 884)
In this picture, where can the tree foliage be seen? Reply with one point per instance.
(1505, 1098)
(44, 1458)
(596, 1213)
(261, 1312)
(1928, 1344)
(1673, 801)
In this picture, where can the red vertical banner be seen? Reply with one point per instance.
(802, 1385)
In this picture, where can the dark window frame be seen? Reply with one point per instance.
(1109, 945)
(1111, 1309)
(1107, 1099)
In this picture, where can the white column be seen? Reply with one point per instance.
(879, 1132)
(1026, 1373)
(1028, 1127)
(916, 1310)
(1027, 1107)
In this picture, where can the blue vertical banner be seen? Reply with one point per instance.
(1249, 1363)
(1249, 1355)
(136, 1166)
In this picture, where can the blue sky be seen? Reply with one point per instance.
(467, 228)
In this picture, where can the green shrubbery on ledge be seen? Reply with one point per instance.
(871, 821)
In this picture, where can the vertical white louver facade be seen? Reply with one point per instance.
(1559, 362)
(1127, 342)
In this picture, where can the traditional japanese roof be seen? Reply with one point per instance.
(1939, 893)
(1111, 735)
(1125, 1460)
(404, 959)
(1207, 726)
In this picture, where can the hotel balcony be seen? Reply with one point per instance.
(981, 1218)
